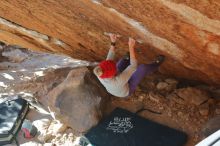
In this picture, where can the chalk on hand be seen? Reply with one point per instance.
(108, 33)
(118, 35)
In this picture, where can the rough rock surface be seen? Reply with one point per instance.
(162, 85)
(211, 126)
(204, 109)
(167, 86)
(192, 95)
(187, 32)
(79, 101)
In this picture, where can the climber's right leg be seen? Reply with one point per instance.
(142, 71)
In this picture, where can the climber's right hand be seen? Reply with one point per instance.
(131, 43)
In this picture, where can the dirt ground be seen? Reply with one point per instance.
(185, 117)
(182, 116)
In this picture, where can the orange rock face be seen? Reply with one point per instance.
(187, 32)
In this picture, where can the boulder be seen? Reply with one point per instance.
(217, 108)
(155, 97)
(211, 126)
(171, 81)
(204, 109)
(162, 86)
(217, 111)
(192, 95)
(79, 101)
(174, 97)
(167, 86)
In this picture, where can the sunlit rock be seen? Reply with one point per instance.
(186, 32)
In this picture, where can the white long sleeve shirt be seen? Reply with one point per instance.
(118, 85)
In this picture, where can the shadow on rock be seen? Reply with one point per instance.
(79, 101)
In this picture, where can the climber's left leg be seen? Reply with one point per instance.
(122, 64)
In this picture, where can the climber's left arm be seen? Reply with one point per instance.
(111, 52)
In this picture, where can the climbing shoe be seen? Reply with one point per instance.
(159, 59)
(126, 56)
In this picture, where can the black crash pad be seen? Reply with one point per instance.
(123, 128)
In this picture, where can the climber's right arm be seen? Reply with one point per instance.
(127, 73)
(131, 45)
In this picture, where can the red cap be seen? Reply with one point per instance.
(108, 68)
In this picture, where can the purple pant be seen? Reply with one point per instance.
(138, 75)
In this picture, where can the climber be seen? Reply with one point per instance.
(121, 79)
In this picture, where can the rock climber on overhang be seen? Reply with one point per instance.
(121, 79)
